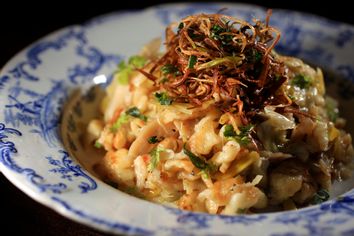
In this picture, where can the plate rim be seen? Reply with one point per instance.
(45, 199)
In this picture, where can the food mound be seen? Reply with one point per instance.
(221, 123)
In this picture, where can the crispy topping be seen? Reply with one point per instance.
(221, 58)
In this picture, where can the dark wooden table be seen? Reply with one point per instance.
(21, 24)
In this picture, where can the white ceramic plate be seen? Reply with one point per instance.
(36, 82)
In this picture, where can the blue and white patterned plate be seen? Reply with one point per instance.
(35, 84)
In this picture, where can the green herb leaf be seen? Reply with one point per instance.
(291, 97)
(135, 112)
(258, 56)
(216, 30)
(163, 98)
(164, 80)
(197, 161)
(192, 61)
(98, 144)
(243, 137)
(180, 26)
(205, 173)
(332, 109)
(154, 139)
(125, 69)
(123, 118)
(122, 65)
(216, 34)
(217, 61)
(229, 131)
(211, 168)
(124, 72)
(155, 157)
(333, 114)
(253, 55)
(137, 61)
(321, 196)
(277, 77)
(169, 69)
(301, 81)
(243, 140)
(245, 130)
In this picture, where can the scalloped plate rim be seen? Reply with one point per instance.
(45, 199)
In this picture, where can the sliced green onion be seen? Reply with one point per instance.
(137, 61)
(154, 139)
(301, 81)
(243, 137)
(135, 112)
(197, 161)
(192, 61)
(123, 118)
(98, 144)
(125, 69)
(169, 69)
(229, 131)
(321, 196)
(163, 98)
(155, 157)
(229, 59)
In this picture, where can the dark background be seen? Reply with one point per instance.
(21, 24)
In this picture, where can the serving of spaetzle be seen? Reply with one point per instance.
(220, 122)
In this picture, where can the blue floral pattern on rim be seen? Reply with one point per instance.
(69, 171)
(7, 148)
(34, 112)
(64, 166)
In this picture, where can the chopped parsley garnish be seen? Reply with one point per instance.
(192, 61)
(229, 131)
(180, 26)
(124, 72)
(98, 144)
(246, 130)
(125, 69)
(163, 98)
(164, 80)
(204, 167)
(137, 61)
(197, 161)
(169, 69)
(135, 112)
(155, 157)
(123, 118)
(243, 137)
(332, 110)
(204, 173)
(253, 55)
(258, 56)
(301, 81)
(321, 196)
(332, 114)
(216, 33)
(292, 98)
(277, 77)
(154, 139)
(216, 30)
